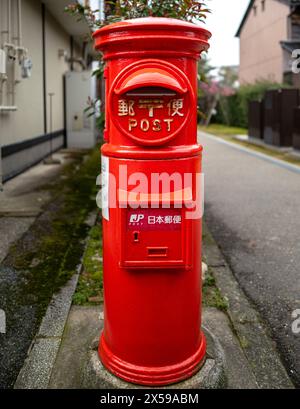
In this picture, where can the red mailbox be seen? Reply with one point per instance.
(151, 163)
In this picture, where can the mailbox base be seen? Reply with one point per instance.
(211, 374)
(153, 376)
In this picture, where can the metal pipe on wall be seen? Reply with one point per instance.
(1, 24)
(17, 28)
(14, 51)
(9, 21)
(19, 11)
(3, 38)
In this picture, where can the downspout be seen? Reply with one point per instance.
(20, 51)
(9, 21)
(8, 44)
(78, 61)
(19, 5)
(44, 65)
(72, 52)
(8, 48)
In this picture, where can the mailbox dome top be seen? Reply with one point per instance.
(152, 34)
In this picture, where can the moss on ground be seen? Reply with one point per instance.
(47, 256)
(211, 295)
(90, 284)
(223, 130)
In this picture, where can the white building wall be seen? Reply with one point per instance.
(25, 133)
(28, 121)
(56, 67)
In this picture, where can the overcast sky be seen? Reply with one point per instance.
(223, 22)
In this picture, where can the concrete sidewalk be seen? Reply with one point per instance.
(21, 203)
(42, 231)
(58, 358)
(23, 199)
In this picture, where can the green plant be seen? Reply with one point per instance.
(118, 10)
(212, 296)
(90, 284)
(233, 110)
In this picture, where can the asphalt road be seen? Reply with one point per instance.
(252, 207)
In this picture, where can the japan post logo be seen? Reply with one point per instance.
(136, 218)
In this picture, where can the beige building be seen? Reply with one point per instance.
(39, 44)
(268, 33)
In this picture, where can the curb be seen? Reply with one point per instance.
(37, 369)
(260, 143)
(252, 152)
(248, 326)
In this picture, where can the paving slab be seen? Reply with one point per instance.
(11, 230)
(25, 195)
(212, 374)
(84, 326)
(239, 372)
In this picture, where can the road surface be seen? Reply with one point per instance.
(252, 207)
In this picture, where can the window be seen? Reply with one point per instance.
(255, 10)
(295, 25)
(263, 5)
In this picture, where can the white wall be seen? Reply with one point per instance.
(56, 67)
(28, 121)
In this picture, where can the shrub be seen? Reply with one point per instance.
(233, 110)
(118, 10)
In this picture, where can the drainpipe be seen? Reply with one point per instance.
(8, 48)
(2, 23)
(78, 61)
(9, 21)
(19, 50)
(19, 5)
(1, 177)
(8, 42)
(44, 66)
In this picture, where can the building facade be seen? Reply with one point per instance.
(39, 44)
(269, 32)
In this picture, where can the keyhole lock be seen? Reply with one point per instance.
(136, 236)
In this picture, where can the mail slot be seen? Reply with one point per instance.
(151, 167)
(151, 102)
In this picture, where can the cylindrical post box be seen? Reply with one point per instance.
(151, 167)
